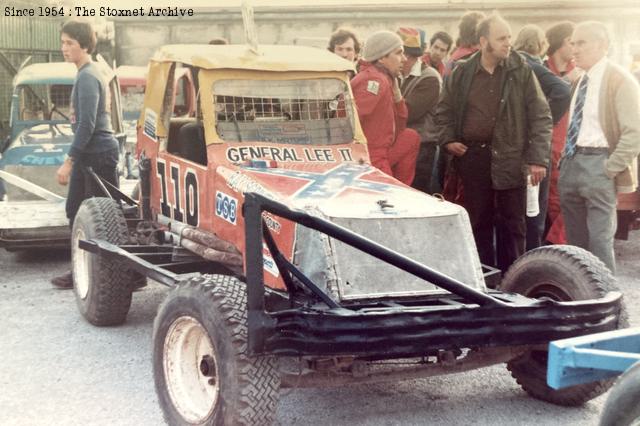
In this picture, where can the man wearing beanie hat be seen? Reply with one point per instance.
(420, 88)
(393, 148)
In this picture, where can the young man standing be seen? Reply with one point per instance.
(560, 62)
(559, 53)
(439, 47)
(496, 123)
(93, 143)
(603, 143)
(393, 148)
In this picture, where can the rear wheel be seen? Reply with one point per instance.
(101, 285)
(203, 374)
(623, 404)
(560, 273)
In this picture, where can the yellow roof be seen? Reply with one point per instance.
(239, 56)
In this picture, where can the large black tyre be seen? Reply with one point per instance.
(561, 273)
(623, 403)
(202, 373)
(102, 286)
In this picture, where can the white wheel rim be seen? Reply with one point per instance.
(192, 393)
(81, 259)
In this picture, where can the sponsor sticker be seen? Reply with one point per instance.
(268, 263)
(150, 119)
(226, 207)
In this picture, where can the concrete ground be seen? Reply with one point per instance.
(59, 370)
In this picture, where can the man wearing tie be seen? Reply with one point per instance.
(603, 142)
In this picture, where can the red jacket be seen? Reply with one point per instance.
(440, 67)
(381, 118)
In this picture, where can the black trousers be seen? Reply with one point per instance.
(502, 211)
(83, 186)
(429, 169)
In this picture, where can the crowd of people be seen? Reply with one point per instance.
(481, 121)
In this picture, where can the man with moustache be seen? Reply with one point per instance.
(603, 142)
(495, 121)
(393, 148)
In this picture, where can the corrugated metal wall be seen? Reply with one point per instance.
(19, 39)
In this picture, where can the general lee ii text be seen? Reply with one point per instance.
(82, 11)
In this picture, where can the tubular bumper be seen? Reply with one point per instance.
(412, 331)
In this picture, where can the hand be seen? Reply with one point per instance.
(537, 173)
(64, 172)
(456, 148)
(397, 94)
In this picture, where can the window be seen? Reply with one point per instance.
(132, 101)
(301, 112)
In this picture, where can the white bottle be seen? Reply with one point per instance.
(533, 208)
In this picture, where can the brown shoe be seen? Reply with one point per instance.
(64, 281)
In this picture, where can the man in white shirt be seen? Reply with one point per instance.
(603, 142)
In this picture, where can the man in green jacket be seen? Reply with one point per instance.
(603, 142)
(495, 121)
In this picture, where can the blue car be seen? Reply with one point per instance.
(31, 200)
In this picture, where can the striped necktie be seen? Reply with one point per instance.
(576, 119)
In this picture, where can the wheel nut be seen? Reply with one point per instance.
(208, 366)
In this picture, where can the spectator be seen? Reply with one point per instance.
(466, 45)
(383, 113)
(467, 42)
(560, 62)
(420, 88)
(559, 53)
(531, 43)
(439, 47)
(603, 142)
(93, 142)
(344, 43)
(496, 123)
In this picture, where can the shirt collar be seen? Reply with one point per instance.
(498, 67)
(416, 69)
(597, 70)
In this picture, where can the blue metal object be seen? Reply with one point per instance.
(593, 357)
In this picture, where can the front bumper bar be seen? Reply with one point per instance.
(397, 332)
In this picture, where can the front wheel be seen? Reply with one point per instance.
(102, 285)
(560, 273)
(623, 404)
(203, 374)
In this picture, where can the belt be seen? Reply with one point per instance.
(591, 150)
(477, 144)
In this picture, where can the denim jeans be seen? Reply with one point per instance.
(82, 185)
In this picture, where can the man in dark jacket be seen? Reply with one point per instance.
(495, 121)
